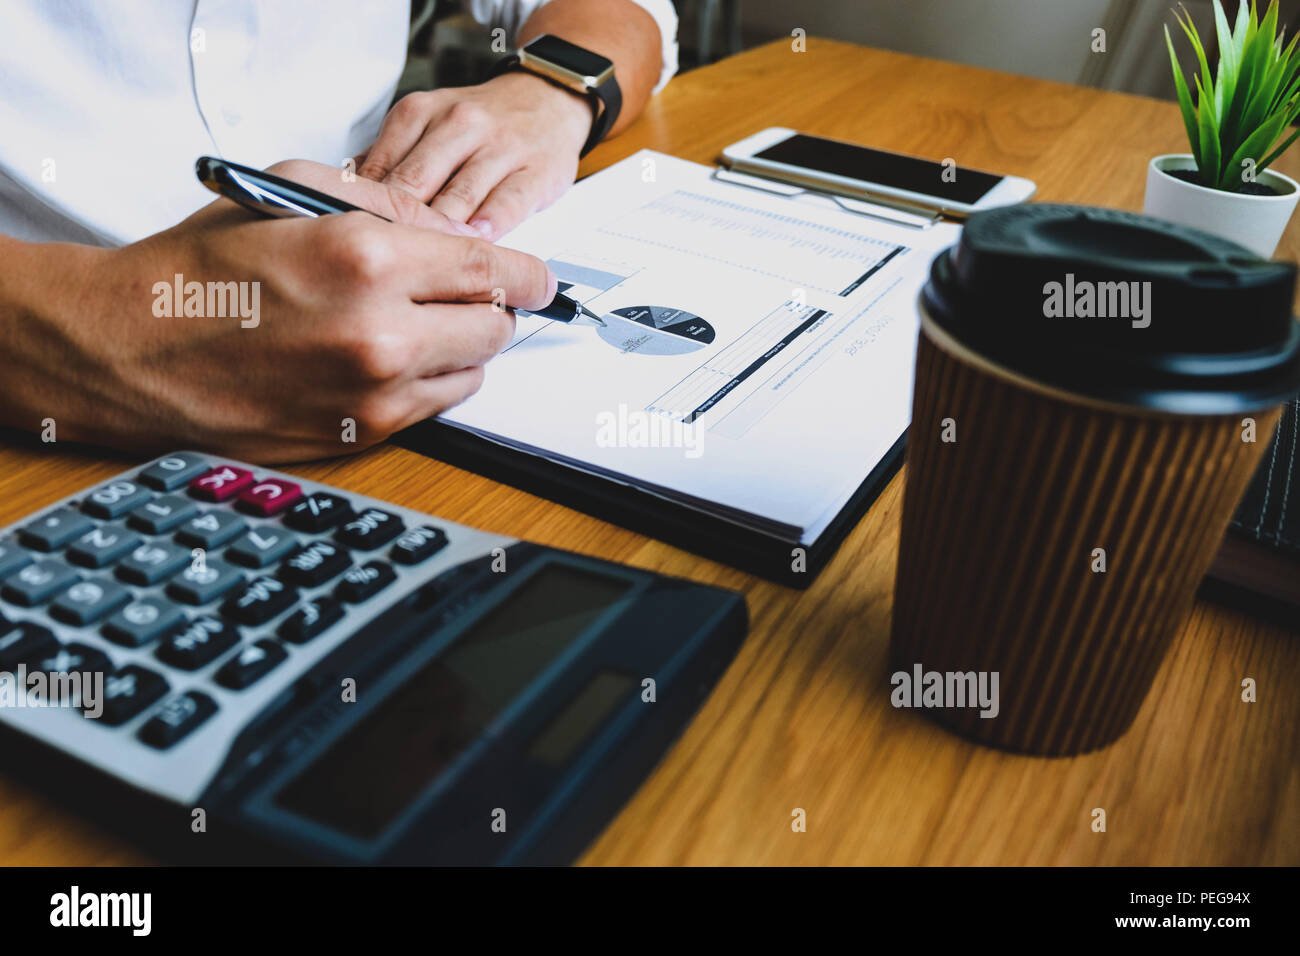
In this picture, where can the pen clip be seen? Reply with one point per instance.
(253, 196)
(267, 194)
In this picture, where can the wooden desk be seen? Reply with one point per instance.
(802, 719)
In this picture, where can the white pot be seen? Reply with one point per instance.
(1256, 222)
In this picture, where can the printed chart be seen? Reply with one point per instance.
(728, 369)
(655, 330)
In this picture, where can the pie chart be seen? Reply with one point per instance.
(655, 330)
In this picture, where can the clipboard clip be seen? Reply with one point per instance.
(894, 213)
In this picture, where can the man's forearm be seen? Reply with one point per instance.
(618, 29)
(42, 285)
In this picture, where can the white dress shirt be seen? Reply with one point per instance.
(105, 105)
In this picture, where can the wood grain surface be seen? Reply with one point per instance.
(802, 720)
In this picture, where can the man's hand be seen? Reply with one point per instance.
(491, 155)
(488, 155)
(379, 323)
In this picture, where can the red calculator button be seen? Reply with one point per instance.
(221, 483)
(269, 497)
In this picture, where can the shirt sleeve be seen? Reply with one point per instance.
(512, 14)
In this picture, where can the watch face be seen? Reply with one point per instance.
(567, 56)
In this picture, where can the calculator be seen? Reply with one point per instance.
(235, 664)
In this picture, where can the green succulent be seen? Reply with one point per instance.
(1240, 114)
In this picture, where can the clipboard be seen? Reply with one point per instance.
(766, 555)
(769, 557)
(895, 212)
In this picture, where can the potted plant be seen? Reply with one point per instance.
(1236, 128)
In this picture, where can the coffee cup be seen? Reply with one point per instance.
(1094, 390)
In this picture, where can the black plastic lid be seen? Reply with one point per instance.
(1181, 321)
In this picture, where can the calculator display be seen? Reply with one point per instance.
(367, 777)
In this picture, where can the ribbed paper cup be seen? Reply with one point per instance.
(1056, 525)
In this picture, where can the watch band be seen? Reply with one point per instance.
(606, 100)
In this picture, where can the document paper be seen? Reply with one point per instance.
(758, 355)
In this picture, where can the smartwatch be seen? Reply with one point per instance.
(574, 68)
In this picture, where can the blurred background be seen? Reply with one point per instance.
(1051, 39)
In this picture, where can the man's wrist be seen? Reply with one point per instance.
(572, 108)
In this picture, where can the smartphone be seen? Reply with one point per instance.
(858, 172)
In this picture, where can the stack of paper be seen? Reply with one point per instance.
(758, 355)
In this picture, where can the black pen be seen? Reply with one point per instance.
(278, 198)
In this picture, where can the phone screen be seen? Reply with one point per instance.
(967, 186)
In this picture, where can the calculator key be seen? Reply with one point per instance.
(259, 600)
(163, 513)
(153, 561)
(251, 663)
(38, 582)
(55, 529)
(87, 601)
(364, 582)
(198, 642)
(315, 563)
(142, 621)
(24, 643)
(318, 512)
(370, 529)
(269, 497)
(12, 558)
(74, 659)
(168, 474)
(310, 619)
(114, 499)
(101, 546)
(177, 718)
(204, 581)
(221, 483)
(211, 529)
(417, 544)
(260, 547)
(129, 691)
